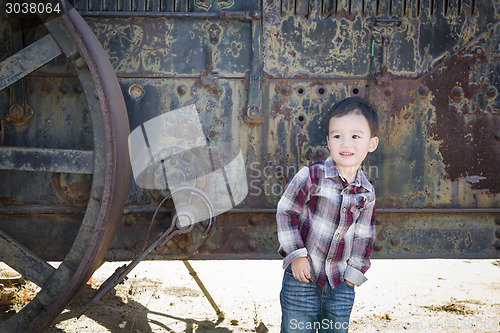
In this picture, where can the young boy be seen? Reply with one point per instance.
(326, 225)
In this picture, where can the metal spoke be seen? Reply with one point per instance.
(28, 60)
(28, 264)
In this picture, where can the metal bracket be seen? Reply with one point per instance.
(254, 112)
(209, 79)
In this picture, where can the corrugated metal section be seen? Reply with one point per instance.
(164, 5)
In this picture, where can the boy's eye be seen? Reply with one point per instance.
(336, 136)
(356, 136)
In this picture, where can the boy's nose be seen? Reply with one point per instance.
(345, 142)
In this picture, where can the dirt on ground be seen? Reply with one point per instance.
(400, 296)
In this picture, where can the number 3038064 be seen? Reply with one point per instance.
(31, 8)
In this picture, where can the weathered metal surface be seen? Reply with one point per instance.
(28, 60)
(38, 270)
(430, 68)
(46, 160)
(90, 239)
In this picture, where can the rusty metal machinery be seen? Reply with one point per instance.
(262, 74)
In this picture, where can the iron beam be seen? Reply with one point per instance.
(48, 160)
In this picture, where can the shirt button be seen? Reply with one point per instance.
(344, 210)
(337, 236)
(330, 260)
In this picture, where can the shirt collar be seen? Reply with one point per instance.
(331, 171)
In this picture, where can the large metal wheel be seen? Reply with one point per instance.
(109, 166)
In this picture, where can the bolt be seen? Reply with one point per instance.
(136, 91)
(182, 89)
(64, 89)
(252, 245)
(423, 91)
(253, 221)
(377, 246)
(286, 90)
(389, 92)
(78, 89)
(80, 63)
(253, 112)
(128, 222)
(457, 91)
(218, 90)
(395, 241)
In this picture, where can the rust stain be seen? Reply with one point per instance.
(279, 107)
(468, 146)
(6, 200)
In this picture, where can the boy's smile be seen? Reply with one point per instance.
(349, 141)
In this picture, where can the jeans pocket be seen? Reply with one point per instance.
(348, 285)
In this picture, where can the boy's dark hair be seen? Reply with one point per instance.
(348, 105)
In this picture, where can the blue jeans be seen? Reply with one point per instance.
(306, 307)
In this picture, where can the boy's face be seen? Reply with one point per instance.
(350, 140)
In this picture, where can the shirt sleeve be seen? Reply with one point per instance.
(364, 235)
(293, 200)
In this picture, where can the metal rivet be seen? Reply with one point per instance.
(457, 91)
(80, 63)
(136, 91)
(423, 91)
(253, 221)
(395, 241)
(64, 89)
(182, 89)
(389, 91)
(253, 112)
(377, 246)
(128, 222)
(286, 90)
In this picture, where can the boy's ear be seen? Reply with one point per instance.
(373, 144)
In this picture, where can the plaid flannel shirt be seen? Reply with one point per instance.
(330, 222)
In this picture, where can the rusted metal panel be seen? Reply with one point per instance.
(430, 68)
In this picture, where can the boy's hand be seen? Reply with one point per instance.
(301, 269)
